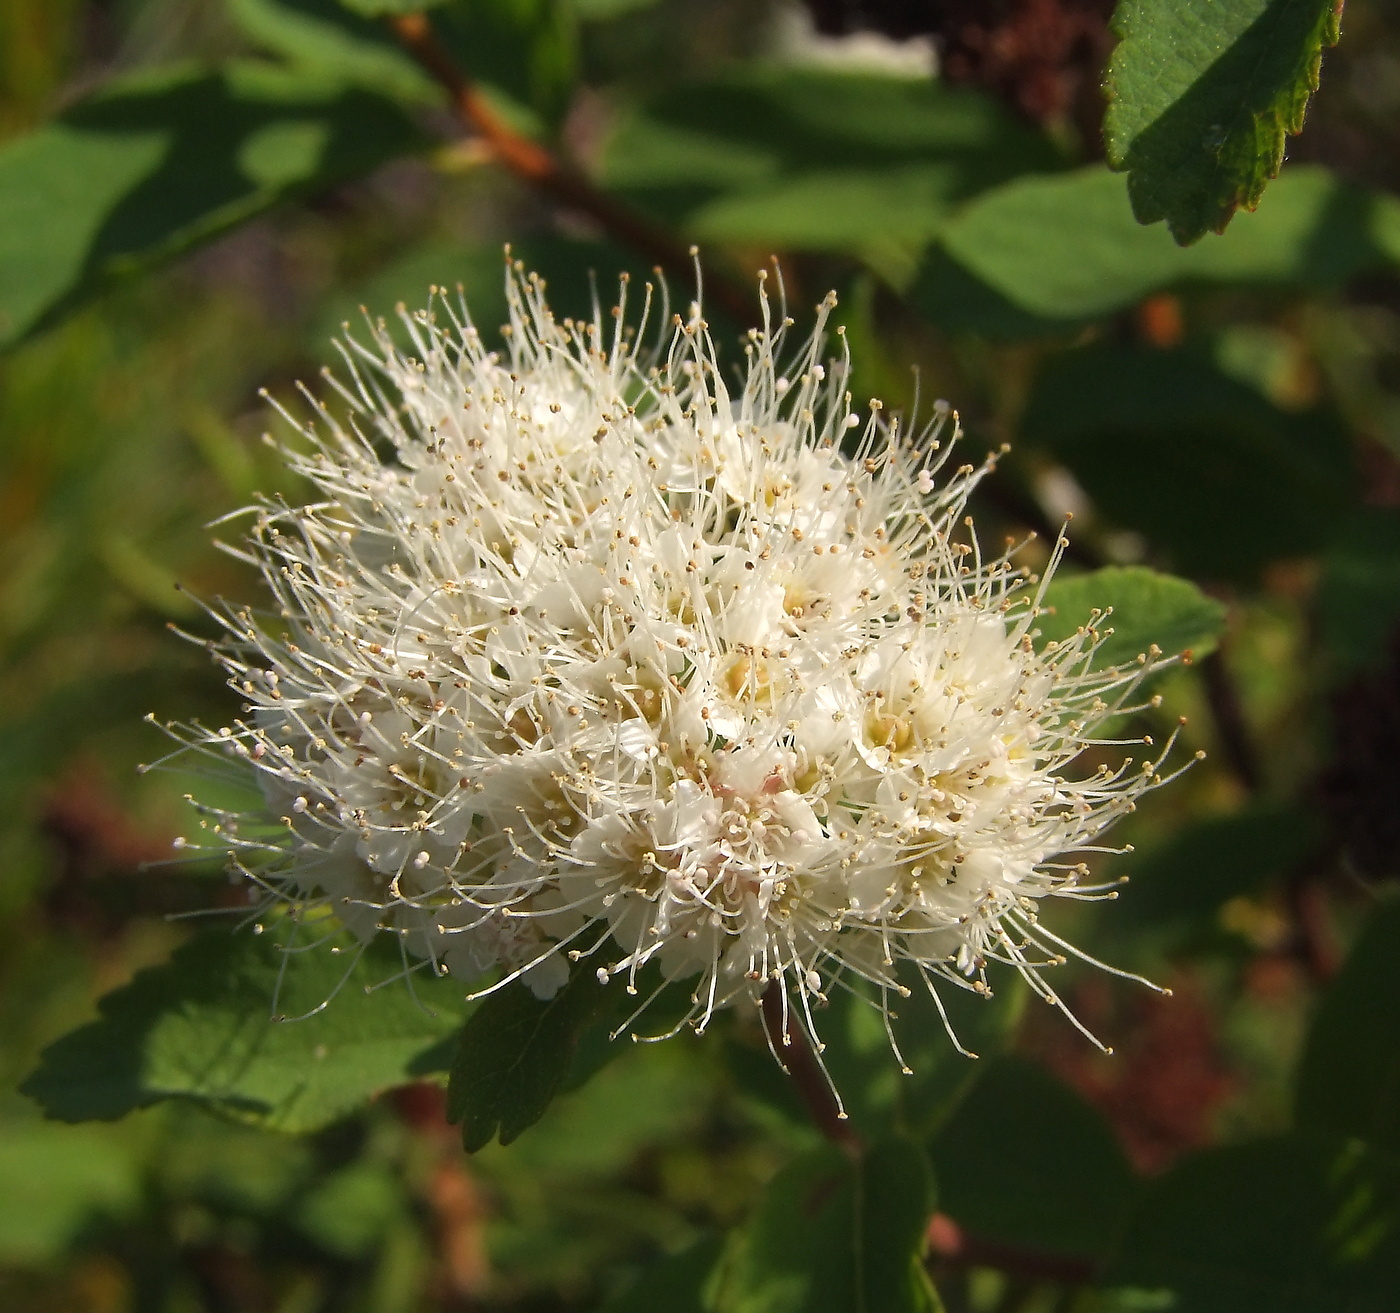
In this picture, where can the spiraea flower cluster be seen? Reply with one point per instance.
(588, 656)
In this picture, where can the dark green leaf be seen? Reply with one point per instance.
(1202, 94)
(877, 1095)
(1147, 609)
(830, 1236)
(406, 280)
(803, 158)
(517, 1052)
(1215, 477)
(1199, 868)
(1278, 1226)
(327, 38)
(573, 271)
(675, 1284)
(202, 1027)
(956, 300)
(1026, 1162)
(1349, 1081)
(526, 50)
(1358, 598)
(606, 11)
(156, 163)
(1064, 249)
(380, 8)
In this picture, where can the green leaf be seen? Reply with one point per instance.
(1063, 249)
(1281, 1225)
(526, 49)
(1202, 94)
(830, 1236)
(156, 163)
(675, 1284)
(230, 1168)
(1358, 597)
(573, 270)
(349, 1212)
(382, 8)
(616, 1105)
(1147, 609)
(406, 280)
(202, 1027)
(878, 1097)
(1349, 1079)
(1204, 865)
(57, 1180)
(1217, 478)
(1026, 1162)
(607, 11)
(517, 1052)
(327, 38)
(810, 159)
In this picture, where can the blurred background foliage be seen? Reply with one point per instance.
(196, 194)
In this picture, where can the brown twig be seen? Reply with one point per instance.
(453, 1200)
(792, 1046)
(542, 169)
(1314, 939)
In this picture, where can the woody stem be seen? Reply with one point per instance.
(542, 169)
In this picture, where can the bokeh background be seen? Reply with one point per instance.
(1229, 412)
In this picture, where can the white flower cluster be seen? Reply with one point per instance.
(583, 653)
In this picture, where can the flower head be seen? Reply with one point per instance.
(585, 653)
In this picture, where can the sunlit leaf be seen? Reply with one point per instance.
(1202, 94)
(814, 159)
(1065, 248)
(1148, 609)
(331, 38)
(56, 1181)
(206, 1027)
(158, 162)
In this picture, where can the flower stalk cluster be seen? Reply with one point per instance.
(584, 653)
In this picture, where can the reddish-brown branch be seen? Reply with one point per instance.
(791, 1044)
(541, 168)
(1314, 940)
(454, 1202)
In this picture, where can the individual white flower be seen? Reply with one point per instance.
(584, 652)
